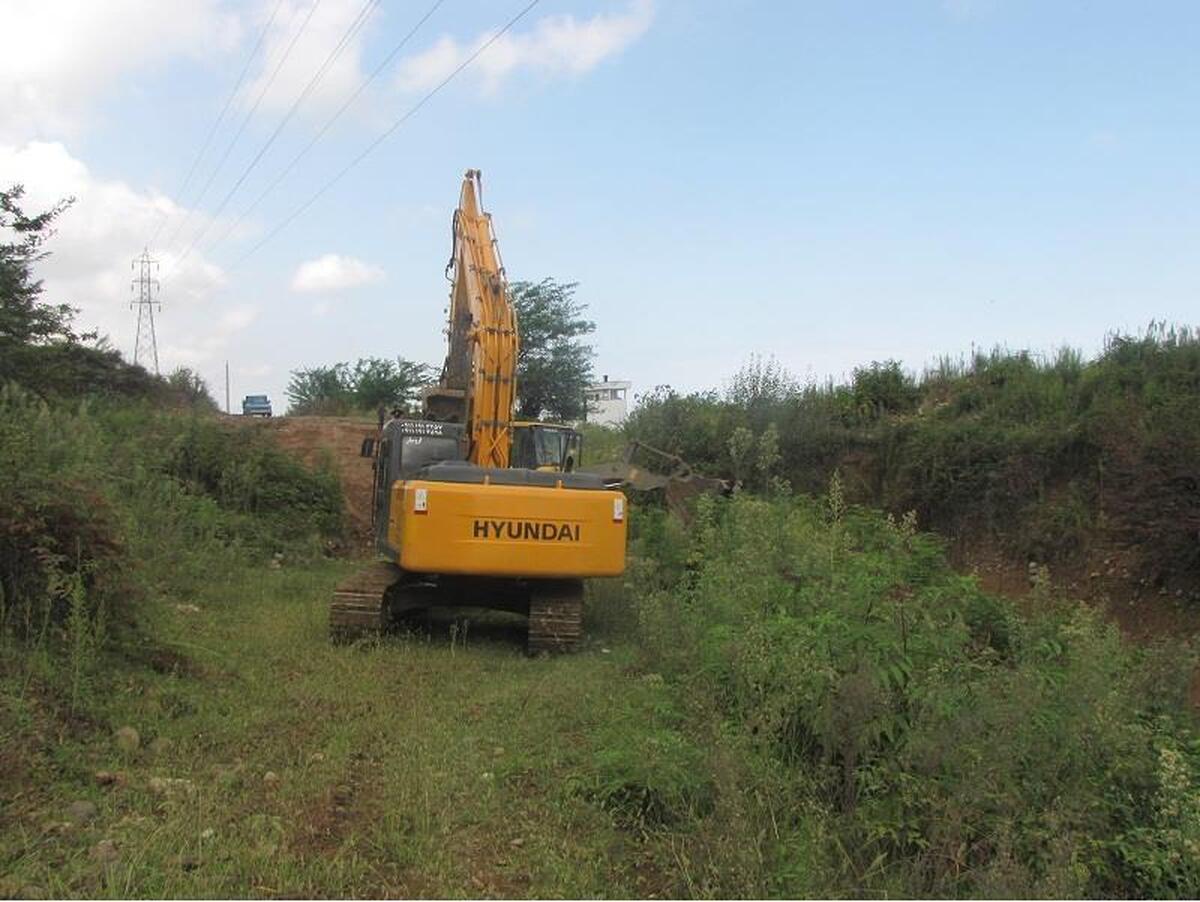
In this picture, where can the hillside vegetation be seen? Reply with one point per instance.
(1056, 460)
(104, 506)
(878, 725)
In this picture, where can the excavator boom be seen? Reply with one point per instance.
(479, 378)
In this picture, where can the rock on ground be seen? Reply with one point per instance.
(160, 745)
(127, 739)
(81, 812)
(104, 852)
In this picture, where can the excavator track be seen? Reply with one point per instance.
(359, 609)
(556, 616)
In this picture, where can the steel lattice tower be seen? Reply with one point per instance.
(146, 287)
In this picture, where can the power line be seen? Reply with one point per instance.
(245, 120)
(328, 124)
(387, 134)
(330, 59)
(162, 219)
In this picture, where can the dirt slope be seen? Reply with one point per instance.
(310, 438)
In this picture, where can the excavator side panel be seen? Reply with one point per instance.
(524, 531)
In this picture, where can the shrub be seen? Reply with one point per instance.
(948, 745)
(100, 504)
(1049, 458)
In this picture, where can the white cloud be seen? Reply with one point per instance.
(555, 45)
(203, 347)
(333, 272)
(324, 31)
(236, 319)
(95, 240)
(59, 56)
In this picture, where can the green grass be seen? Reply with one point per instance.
(444, 762)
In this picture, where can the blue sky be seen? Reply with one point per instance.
(825, 183)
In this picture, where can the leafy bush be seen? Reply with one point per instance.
(645, 771)
(936, 742)
(107, 503)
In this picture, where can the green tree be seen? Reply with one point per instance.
(25, 321)
(318, 390)
(392, 383)
(39, 347)
(364, 386)
(554, 365)
(190, 387)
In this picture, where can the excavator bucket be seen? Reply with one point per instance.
(680, 486)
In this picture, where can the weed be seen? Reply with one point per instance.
(948, 745)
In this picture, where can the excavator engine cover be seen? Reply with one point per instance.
(462, 519)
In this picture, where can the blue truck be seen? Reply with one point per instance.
(256, 406)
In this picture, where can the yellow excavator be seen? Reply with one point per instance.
(455, 522)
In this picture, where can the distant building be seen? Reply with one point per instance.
(607, 402)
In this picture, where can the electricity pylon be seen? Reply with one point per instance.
(147, 287)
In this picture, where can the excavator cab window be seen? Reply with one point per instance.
(404, 448)
(417, 451)
(540, 446)
(574, 452)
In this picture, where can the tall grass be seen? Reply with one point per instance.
(102, 504)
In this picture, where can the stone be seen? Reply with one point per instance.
(81, 811)
(270, 778)
(104, 852)
(127, 739)
(111, 778)
(160, 745)
(208, 833)
(169, 786)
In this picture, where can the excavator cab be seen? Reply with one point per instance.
(404, 447)
(548, 447)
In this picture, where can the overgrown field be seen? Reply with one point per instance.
(446, 763)
(791, 697)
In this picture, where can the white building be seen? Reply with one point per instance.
(607, 402)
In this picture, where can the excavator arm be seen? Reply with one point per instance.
(479, 378)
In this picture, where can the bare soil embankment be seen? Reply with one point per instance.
(338, 439)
